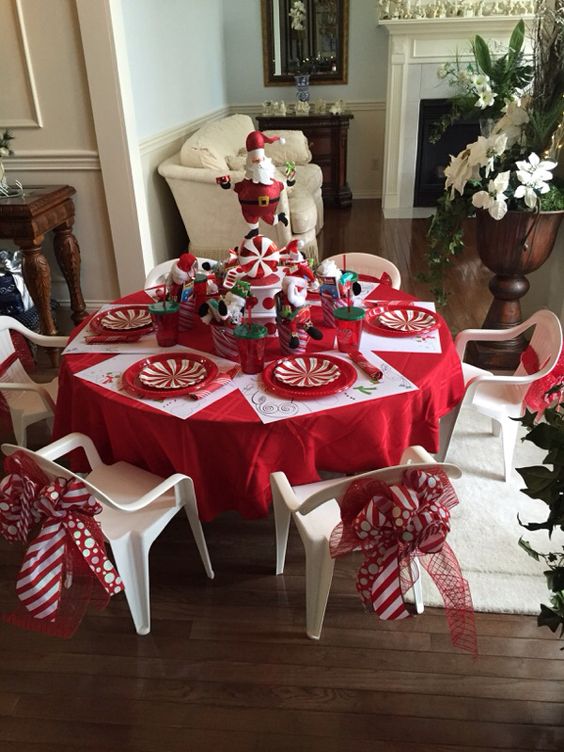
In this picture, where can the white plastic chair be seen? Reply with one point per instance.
(159, 274)
(500, 397)
(367, 263)
(315, 510)
(28, 401)
(137, 506)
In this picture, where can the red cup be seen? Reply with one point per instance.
(251, 341)
(165, 321)
(349, 327)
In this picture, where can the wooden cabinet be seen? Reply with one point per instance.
(327, 136)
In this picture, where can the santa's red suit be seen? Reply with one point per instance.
(259, 201)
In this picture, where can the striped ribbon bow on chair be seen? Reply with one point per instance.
(68, 550)
(391, 525)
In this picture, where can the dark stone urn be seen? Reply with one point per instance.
(510, 247)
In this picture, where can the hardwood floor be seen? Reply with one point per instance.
(227, 665)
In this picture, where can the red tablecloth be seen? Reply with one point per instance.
(230, 454)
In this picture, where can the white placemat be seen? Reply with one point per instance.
(270, 408)
(146, 344)
(108, 373)
(426, 342)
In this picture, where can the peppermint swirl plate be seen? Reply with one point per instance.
(318, 364)
(306, 371)
(169, 375)
(401, 320)
(134, 319)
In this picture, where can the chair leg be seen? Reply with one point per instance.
(198, 533)
(20, 429)
(496, 427)
(319, 575)
(417, 586)
(446, 429)
(509, 430)
(131, 553)
(282, 527)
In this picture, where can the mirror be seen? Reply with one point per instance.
(305, 36)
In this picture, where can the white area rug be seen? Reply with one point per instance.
(484, 529)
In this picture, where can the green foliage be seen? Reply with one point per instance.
(445, 241)
(553, 200)
(547, 485)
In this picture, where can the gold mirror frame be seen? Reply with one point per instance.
(270, 79)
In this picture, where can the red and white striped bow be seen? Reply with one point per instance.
(69, 541)
(66, 510)
(391, 524)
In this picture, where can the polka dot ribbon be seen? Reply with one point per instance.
(391, 525)
(65, 510)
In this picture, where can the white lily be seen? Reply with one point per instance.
(480, 80)
(494, 199)
(486, 98)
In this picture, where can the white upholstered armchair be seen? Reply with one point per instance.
(212, 216)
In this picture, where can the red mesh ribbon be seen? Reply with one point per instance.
(545, 392)
(68, 549)
(391, 525)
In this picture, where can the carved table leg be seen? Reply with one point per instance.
(67, 253)
(37, 276)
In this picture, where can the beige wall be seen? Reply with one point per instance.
(44, 99)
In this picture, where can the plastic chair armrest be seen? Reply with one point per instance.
(153, 494)
(68, 444)
(415, 454)
(487, 335)
(30, 386)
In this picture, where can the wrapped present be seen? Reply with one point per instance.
(284, 335)
(224, 342)
(328, 305)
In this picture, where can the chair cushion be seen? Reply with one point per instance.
(303, 213)
(209, 145)
(309, 177)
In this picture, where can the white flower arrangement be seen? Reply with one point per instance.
(519, 103)
(297, 15)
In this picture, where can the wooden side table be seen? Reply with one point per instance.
(327, 136)
(25, 220)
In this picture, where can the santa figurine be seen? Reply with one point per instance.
(259, 191)
(291, 302)
(183, 270)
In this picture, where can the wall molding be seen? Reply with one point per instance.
(37, 120)
(179, 132)
(53, 160)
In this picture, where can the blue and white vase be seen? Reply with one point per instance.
(302, 87)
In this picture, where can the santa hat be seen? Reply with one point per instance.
(183, 268)
(257, 139)
(303, 272)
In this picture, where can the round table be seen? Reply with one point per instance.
(230, 454)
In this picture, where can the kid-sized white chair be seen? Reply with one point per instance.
(137, 506)
(367, 263)
(315, 510)
(500, 397)
(28, 401)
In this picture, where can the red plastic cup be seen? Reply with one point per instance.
(251, 341)
(165, 321)
(349, 327)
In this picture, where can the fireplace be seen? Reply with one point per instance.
(432, 158)
(416, 48)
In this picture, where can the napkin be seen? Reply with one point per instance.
(96, 339)
(223, 377)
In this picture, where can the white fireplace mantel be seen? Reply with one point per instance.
(416, 48)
